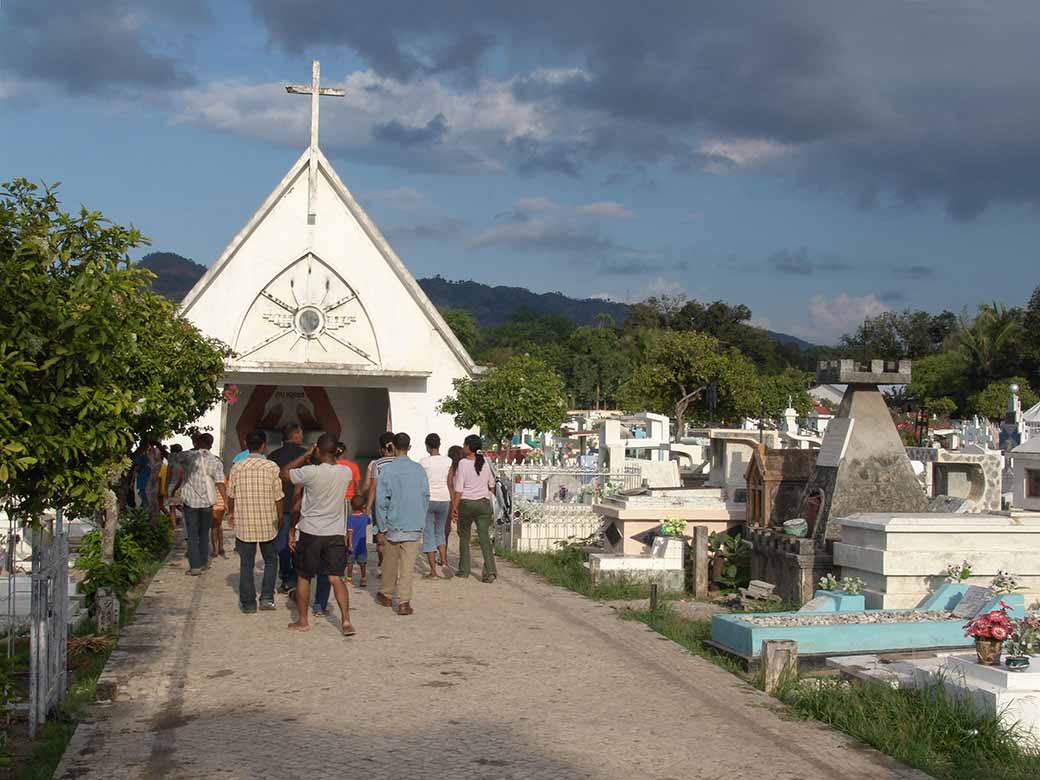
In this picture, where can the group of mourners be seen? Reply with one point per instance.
(312, 515)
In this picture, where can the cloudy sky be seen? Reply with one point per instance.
(818, 161)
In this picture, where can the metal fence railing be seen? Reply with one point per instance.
(546, 505)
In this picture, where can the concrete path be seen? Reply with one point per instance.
(512, 680)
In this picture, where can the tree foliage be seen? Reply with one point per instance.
(675, 373)
(522, 393)
(90, 359)
(992, 401)
(597, 366)
(896, 335)
(464, 326)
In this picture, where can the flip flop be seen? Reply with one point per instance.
(348, 629)
(298, 629)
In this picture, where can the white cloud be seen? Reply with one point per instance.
(832, 317)
(480, 122)
(607, 209)
(741, 153)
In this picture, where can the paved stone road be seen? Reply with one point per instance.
(512, 680)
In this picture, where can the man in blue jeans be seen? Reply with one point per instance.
(255, 494)
(292, 448)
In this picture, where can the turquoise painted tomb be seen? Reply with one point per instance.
(838, 625)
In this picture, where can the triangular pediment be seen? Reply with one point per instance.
(288, 289)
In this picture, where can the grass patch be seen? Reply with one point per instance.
(565, 568)
(691, 634)
(925, 728)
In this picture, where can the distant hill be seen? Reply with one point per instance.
(175, 275)
(490, 306)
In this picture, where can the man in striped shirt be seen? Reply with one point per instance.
(255, 495)
(203, 471)
(387, 454)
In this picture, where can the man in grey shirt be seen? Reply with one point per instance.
(322, 524)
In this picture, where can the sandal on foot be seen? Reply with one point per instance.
(363, 583)
(405, 609)
(384, 601)
(348, 630)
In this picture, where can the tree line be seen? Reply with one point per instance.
(962, 364)
(693, 361)
(705, 363)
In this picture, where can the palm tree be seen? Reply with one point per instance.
(986, 338)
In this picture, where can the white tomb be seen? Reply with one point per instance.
(902, 557)
(1026, 486)
(328, 326)
(1014, 697)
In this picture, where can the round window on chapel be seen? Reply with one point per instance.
(308, 321)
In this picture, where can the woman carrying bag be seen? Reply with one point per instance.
(471, 504)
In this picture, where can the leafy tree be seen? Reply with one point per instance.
(597, 365)
(542, 337)
(893, 335)
(943, 407)
(464, 326)
(1031, 338)
(676, 370)
(775, 390)
(992, 401)
(522, 393)
(92, 360)
(944, 375)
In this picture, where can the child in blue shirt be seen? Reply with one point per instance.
(357, 532)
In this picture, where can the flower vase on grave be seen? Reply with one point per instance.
(988, 650)
(1016, 663)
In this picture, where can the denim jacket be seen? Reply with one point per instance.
(402, 496)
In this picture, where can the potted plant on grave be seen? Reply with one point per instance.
(1025, 634)
(958, 572)
(673, 527)
(990, 631)
(729, 560)
(1004, 582)
(853, 586)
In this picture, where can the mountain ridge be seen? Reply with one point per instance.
(490, 305)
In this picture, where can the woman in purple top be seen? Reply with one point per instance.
(471, 504)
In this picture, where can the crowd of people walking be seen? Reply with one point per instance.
(312, 516)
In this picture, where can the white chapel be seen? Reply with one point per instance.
(328, 327)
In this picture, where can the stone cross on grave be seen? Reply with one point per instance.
(315, 90)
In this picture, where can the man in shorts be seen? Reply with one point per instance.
(322, 525)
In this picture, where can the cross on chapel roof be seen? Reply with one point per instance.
(315, 90)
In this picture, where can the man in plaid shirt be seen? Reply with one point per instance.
(254, 494)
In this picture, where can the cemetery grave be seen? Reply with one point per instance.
(845, 628)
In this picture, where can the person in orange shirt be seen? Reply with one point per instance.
(342, 460)
(323, 589)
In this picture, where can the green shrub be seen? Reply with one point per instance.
(122, 574)
(153, 538)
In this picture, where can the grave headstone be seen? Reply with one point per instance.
(973, 600)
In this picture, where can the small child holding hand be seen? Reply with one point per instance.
(357, 534)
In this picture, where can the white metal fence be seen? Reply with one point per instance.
(547, 505)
